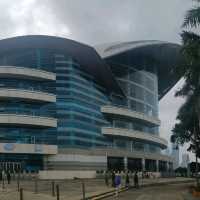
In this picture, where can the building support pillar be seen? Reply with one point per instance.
(143, 165)
(125, 163)
(167, 166)
(157, 165)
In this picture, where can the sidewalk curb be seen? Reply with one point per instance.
(123, 189)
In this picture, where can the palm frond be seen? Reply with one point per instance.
(192, 18)
(189, 35)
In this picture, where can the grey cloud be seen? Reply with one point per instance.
(94, 21)
(102, 21)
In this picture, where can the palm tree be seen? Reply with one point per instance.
(191, 69)
(192, 17)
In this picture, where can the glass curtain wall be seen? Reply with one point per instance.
(37, 59)
(79, 100)
(140, 85)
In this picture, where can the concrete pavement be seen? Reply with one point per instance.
(71, 189)
(164, 192)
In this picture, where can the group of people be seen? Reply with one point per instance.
(5, 175)
(116, 180)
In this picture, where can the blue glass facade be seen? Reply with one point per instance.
(27, 134)
(79, 99)
(81, 91)
(140, 85)
(36, 59)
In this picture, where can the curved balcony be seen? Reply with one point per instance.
(125, 112)
(27, 95)
(27, 120)
(132, 134)
(25, 72)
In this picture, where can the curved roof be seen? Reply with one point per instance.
(164, 54)
(112, 49)
(87, 56)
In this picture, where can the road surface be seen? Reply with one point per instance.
(167, 192)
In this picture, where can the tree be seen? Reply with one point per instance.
(187, 129)
(187, 126)
(181, 171)
(192, 166)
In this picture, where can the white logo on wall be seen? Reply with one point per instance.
(9, 147)
(38, 148)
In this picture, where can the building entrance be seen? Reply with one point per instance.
(12, 167)
(21, 162)
(134, 164)
(115, 163)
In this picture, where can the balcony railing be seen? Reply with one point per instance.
(27, 120)
(125, 111)
(131, 134)
(6, 93)
(25, 72)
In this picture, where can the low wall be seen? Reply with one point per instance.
(69, 174)
(150, 174)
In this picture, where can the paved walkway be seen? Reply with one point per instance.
(69, 189)
(167, 192)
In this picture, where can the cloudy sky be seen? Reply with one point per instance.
(100, 21)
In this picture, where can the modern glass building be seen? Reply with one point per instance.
(63, 106)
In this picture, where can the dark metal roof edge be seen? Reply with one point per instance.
(85, 54)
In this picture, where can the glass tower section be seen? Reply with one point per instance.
(26, 133)
(79, 101)
(140, 85)
(36, 59)
(82, 101)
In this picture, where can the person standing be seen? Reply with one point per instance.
(1, 176)
(106, 178)
(113, 179)
(136, 181)
(8, 177)
(117, 183)
(127, 180)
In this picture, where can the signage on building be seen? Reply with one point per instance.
(28, 148)
(9, 146)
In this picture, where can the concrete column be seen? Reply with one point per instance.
(167, 166)
(132, 147)
(13, 167)
(143, 164)
(125, 163)
(45, 162)
(157, 165)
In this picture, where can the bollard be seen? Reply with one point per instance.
(18, 183)
(3, 183)
(83, 189)
(57, 192)
(21, 194)
(53, 188)
(36, 185)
